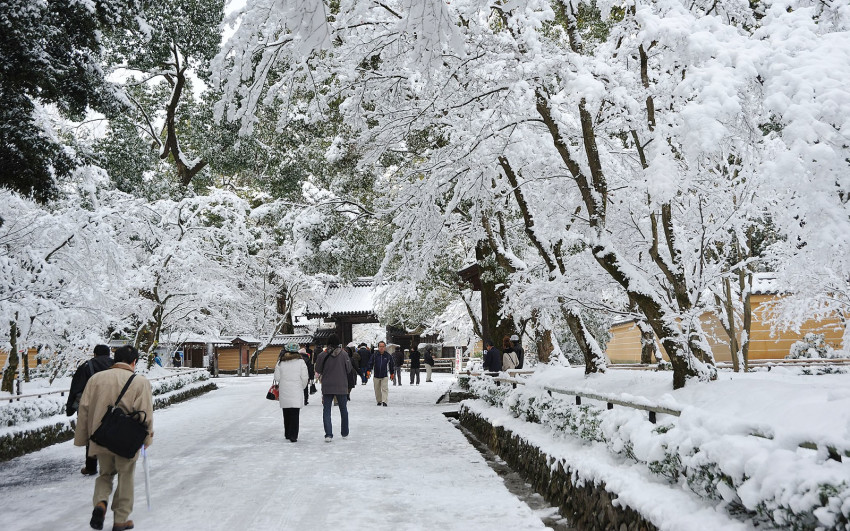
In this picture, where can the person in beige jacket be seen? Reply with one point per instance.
(101, 392)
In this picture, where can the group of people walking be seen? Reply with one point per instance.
(337, 368)
(510, 357)
(105, 382)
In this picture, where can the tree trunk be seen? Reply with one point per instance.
(545, 346)
(12, 365)
(594, 358)
(648, 348)
(681, 349)
(493, 327)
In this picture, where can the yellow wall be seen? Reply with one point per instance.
(228, 358)
(624, 345)
(33, 352)
(763, 345)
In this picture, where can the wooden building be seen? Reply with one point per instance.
(624, 345)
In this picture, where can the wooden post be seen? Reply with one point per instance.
(652, 417)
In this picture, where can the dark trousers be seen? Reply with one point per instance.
(397, 376)
(290, 422)
(414, 373)
(327, 405)
(91, 461)
(306, 395)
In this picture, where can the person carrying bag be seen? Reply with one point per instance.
(112, 400)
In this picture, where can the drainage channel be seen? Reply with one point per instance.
(515, 484)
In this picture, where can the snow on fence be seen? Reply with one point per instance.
(747, 471)
(610, 401)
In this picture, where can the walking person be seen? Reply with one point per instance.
(520, 353)
(292, 378)
(429, 363)
(311, 373)
(382, 367)
(365, 362)
(333, 370)
(414, 365)
(85, 371)
(509, 357)
(398, 362)
(100, 393)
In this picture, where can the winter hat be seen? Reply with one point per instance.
(302, 350)
(291, 347)
(352, 344)
(514, 337)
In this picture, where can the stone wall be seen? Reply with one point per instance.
(589, 507)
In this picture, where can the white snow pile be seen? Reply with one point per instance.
(736, 444)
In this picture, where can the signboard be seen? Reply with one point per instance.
(458, 360)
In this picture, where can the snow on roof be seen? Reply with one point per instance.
(765, 284)
(283, 339)
(346, 299)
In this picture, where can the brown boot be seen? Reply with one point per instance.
(97, 514)
(87, 471)
(121, 527)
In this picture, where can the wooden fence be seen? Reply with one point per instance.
(832, 452)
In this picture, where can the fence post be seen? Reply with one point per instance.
(610, 405)
(652, 417)
(578, 400)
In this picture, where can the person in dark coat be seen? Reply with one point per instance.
(493, 358)
(101, 361)
(311, 373)
(332, 370)
(365, 362)
(382, 367)
(398, 362)
(414, 366)
(429, 363)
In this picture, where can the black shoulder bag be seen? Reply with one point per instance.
(121, 433)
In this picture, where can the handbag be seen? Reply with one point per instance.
(121, 433)
(274, 392)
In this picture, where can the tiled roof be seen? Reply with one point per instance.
(355, 298)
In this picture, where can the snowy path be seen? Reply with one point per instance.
(221, 462)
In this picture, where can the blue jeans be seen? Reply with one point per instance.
(327, 404)
(363, 371)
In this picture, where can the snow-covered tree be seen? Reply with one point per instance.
(50, 54)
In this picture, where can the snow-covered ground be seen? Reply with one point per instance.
(220, 462)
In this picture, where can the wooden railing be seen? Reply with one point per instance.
(61, 392)
(832, 452)
(769, 363)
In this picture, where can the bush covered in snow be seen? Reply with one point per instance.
(28, 410)
(812, 346)
(750, 476)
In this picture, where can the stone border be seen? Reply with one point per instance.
(24, 442)
(587, 506)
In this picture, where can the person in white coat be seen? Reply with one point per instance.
(292, 377)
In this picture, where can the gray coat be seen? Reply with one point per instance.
(334, 368)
